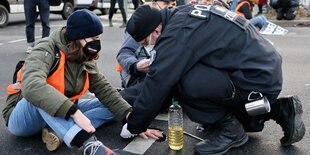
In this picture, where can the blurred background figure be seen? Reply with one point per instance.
(135, 4)
(160, 4)
(233, 4)
(261, 4)
(285, 8)
(31, 15)
(229, 4)
(221, 3)
(111, 12)
(206, 2)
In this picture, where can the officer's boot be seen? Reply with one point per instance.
(287, 111)
(230, 134)
(280, 14)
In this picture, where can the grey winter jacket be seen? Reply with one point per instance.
(128, 56)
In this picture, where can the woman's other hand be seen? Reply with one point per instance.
(83, 122)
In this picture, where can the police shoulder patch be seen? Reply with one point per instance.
(200, 11)
(224, 12)
(231, 16)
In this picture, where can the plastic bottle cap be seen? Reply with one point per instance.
(174, 101)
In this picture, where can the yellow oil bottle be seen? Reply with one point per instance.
(175, 126)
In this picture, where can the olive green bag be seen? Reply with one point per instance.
(12, 99)
(10, 104)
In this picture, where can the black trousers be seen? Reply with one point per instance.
(251, 123)
(121, 7)
(31, 16)
(135, 4)
(131, 93)
(208, 94)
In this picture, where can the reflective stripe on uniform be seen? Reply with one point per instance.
(14, 88)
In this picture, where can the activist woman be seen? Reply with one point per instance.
(59, 70)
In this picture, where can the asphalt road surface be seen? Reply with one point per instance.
(294, 48)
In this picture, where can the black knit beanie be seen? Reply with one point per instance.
(143, 22)
(83, 24)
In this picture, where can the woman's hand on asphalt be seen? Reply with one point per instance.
(152, 133)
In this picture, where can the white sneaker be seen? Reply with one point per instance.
(92, 146)
(29, 47)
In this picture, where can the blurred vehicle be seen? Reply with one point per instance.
(62, 7)
(104, 5)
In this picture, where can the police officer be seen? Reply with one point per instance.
(214, 60)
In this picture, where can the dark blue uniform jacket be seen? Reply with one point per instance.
(206, 39)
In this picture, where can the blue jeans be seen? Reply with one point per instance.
(31, 16)
(27, 119)
(259, 21)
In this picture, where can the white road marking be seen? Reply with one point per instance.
(19, 40)
(162, 117)
(291, 34)
(139, 145)
(14, 41)
(51, 26)
(299, 36)
(1, 44)
(116, 25)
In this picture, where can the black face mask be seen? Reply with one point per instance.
(92, 48)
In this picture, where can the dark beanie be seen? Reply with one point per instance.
(83, 24)
(143, 22)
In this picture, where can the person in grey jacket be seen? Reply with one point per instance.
(134, 60)
(53, 100)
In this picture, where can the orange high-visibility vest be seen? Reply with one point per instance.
(240, 5)
(57, 80)
(220, 3)
(118, 67)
